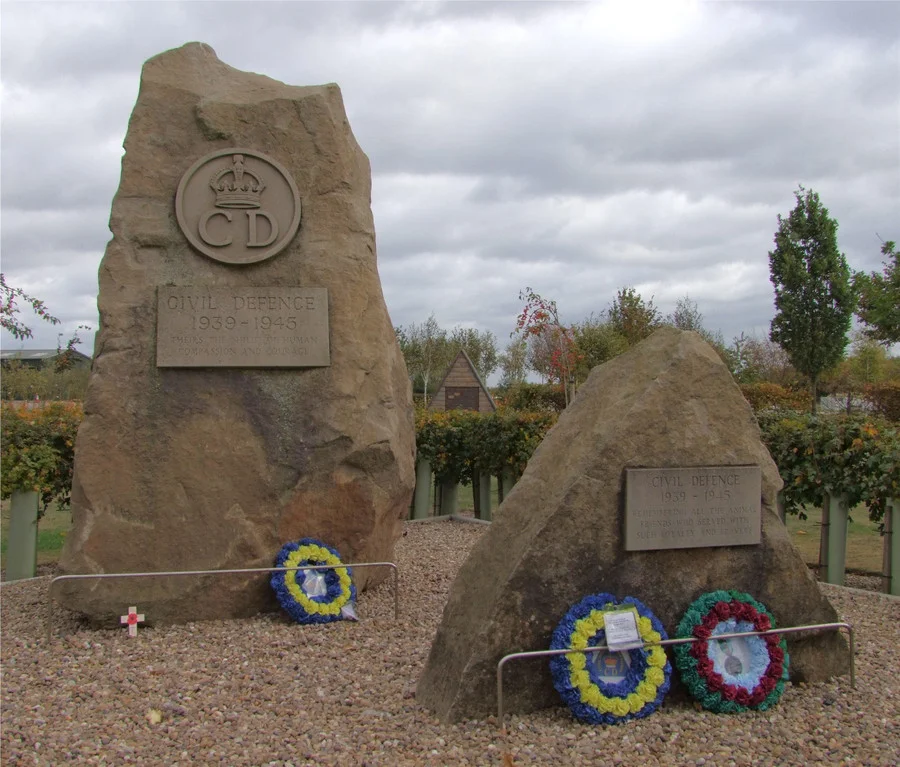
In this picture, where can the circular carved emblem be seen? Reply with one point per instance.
(238, 206)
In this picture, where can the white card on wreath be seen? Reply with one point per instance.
(621, 630)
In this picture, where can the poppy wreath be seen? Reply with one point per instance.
(711, 670)
(593, 699)
(305, 604)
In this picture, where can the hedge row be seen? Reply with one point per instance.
(858, 456)
(461, 443)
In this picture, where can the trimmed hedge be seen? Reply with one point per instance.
(461, 443)
(854, 455)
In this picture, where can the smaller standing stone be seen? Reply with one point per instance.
(558, 536)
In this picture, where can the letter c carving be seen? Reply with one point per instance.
(204, 234)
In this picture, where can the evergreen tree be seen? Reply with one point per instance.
(879, 298)
(814, 298)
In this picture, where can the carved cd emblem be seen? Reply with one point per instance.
(238, 206)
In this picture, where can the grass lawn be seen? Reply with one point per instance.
(864, 544)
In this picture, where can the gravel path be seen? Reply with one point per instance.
(268, 692)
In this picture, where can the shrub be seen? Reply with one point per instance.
(534, 398)
(460, 443)
(39, 450)
(764, 395)
(857, 456)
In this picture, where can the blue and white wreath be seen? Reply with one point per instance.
(314, 596)
(609, 687)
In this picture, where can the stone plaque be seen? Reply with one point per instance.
(693, 507)
(238, 206)
(242, 327)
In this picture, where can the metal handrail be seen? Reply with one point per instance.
(665, 643)
(158, 574)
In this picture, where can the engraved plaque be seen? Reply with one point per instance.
(243, 327)
(238, 206)
(688, 508)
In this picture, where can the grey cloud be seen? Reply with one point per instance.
(512, 144)
(40, 237)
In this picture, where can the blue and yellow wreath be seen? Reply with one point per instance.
(578, 677)
(731, 676)
(294, 590)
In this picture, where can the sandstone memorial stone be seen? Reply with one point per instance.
(559, 536)
(247, 388)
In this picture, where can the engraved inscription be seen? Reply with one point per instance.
(692, 507)
(238, 206)
(242, 327)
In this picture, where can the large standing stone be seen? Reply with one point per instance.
(558, 536)
(181, 467)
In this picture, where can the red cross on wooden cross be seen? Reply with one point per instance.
(132, 620)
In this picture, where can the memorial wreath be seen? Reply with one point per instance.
(737, 674)
(604, 687)
(313, 596)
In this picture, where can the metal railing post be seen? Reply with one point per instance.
(666, 643)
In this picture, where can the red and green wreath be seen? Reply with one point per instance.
(737, 674)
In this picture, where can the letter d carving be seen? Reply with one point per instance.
(252, 242)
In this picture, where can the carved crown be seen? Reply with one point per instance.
(237, 187)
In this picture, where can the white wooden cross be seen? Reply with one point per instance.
(132, 620)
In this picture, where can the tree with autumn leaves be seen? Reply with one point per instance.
(539, 323)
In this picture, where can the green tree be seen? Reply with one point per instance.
(426, 349)
(429, 349)
(814, 299)
(687, 315)
(513, 363)
(631, 317)
(865, 365)
(597, 342)
(879, 298)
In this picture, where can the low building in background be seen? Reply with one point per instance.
(37, 358)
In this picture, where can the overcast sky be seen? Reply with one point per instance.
(574, 148)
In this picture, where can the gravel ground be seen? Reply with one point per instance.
(269, 692)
